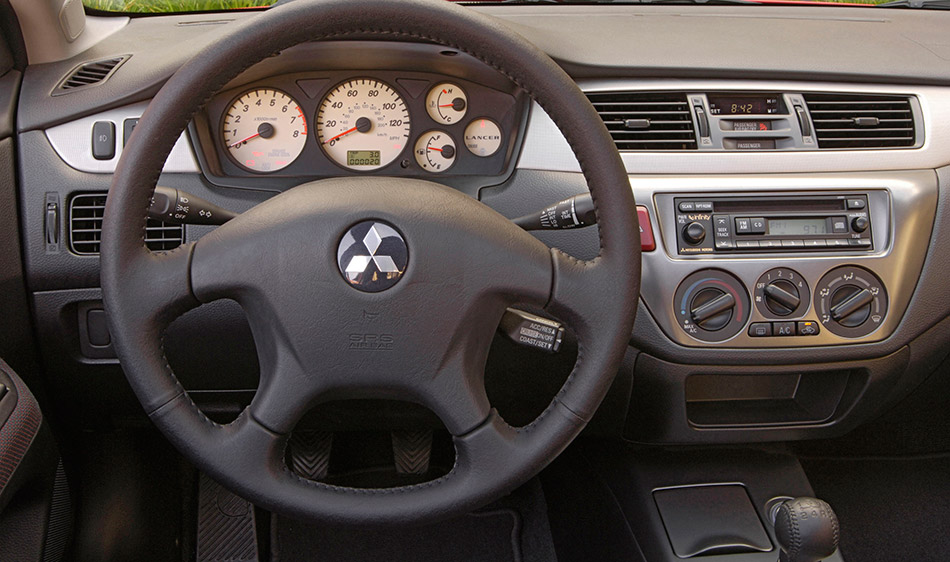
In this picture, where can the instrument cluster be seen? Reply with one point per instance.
(279, 131)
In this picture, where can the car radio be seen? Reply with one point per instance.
(713, 225)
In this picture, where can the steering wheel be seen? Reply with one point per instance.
(417, 329)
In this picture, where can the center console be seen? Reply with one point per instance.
(785, 261)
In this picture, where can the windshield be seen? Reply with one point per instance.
(166, 6)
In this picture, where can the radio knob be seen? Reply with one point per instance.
(694, 233)
(860, 224)
(782, 297)
(851, 306)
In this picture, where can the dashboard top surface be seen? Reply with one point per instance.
(823, 43)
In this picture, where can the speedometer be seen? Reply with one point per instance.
(363, 124)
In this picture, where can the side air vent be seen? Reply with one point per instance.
(862, 121)
(89, 74)
(646, 121)
(85, 227)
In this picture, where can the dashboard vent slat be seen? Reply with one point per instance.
(646, 120)
(89, 74)
(85, 227)
(844, 121)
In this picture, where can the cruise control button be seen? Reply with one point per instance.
(760, 329)
(808, 328)
(783, 329)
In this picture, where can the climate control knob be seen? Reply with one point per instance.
(851, 301)
(712, 308)
(694, 233)
(781, 292)
(711, 305)
(851, 305)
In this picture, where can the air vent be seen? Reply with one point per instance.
(646, 121)
(89, 74)
(85, 227)
(862, 121)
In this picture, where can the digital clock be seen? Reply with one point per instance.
(765, 104)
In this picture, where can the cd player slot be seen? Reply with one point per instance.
(777, 205)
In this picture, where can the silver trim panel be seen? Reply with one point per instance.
(73, 143)
(545, 148)
(902, 206)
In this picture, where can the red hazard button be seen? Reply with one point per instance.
(647, 243)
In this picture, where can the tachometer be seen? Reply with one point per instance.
(264, 130)
(363, 124)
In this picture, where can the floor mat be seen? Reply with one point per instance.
(486, 537)
(514, 529)
(889, 509)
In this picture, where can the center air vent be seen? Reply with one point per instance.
(85, 227)
(862, 121)
(89, 74)
(646, 121)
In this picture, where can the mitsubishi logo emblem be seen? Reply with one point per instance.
(372, 256)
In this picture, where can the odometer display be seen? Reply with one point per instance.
(363, 124)
(362, 158)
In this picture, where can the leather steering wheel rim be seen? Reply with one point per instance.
(144, 291)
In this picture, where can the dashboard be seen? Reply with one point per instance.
(792, 208)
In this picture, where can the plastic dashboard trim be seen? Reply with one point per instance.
(545, 149)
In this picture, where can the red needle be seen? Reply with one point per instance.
(346, 132)
(245, 140)
(447, 105)
(434, 148)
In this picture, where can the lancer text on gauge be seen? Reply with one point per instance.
(363, 124)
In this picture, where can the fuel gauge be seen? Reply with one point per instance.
(435, 151)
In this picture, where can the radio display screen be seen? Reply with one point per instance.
(743, 105)
(798, 227)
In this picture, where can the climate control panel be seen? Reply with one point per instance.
(713, 305)
(820, 260)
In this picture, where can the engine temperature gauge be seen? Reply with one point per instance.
(446, 103)
(435, 151)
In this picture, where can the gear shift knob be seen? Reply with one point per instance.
(806, 530)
